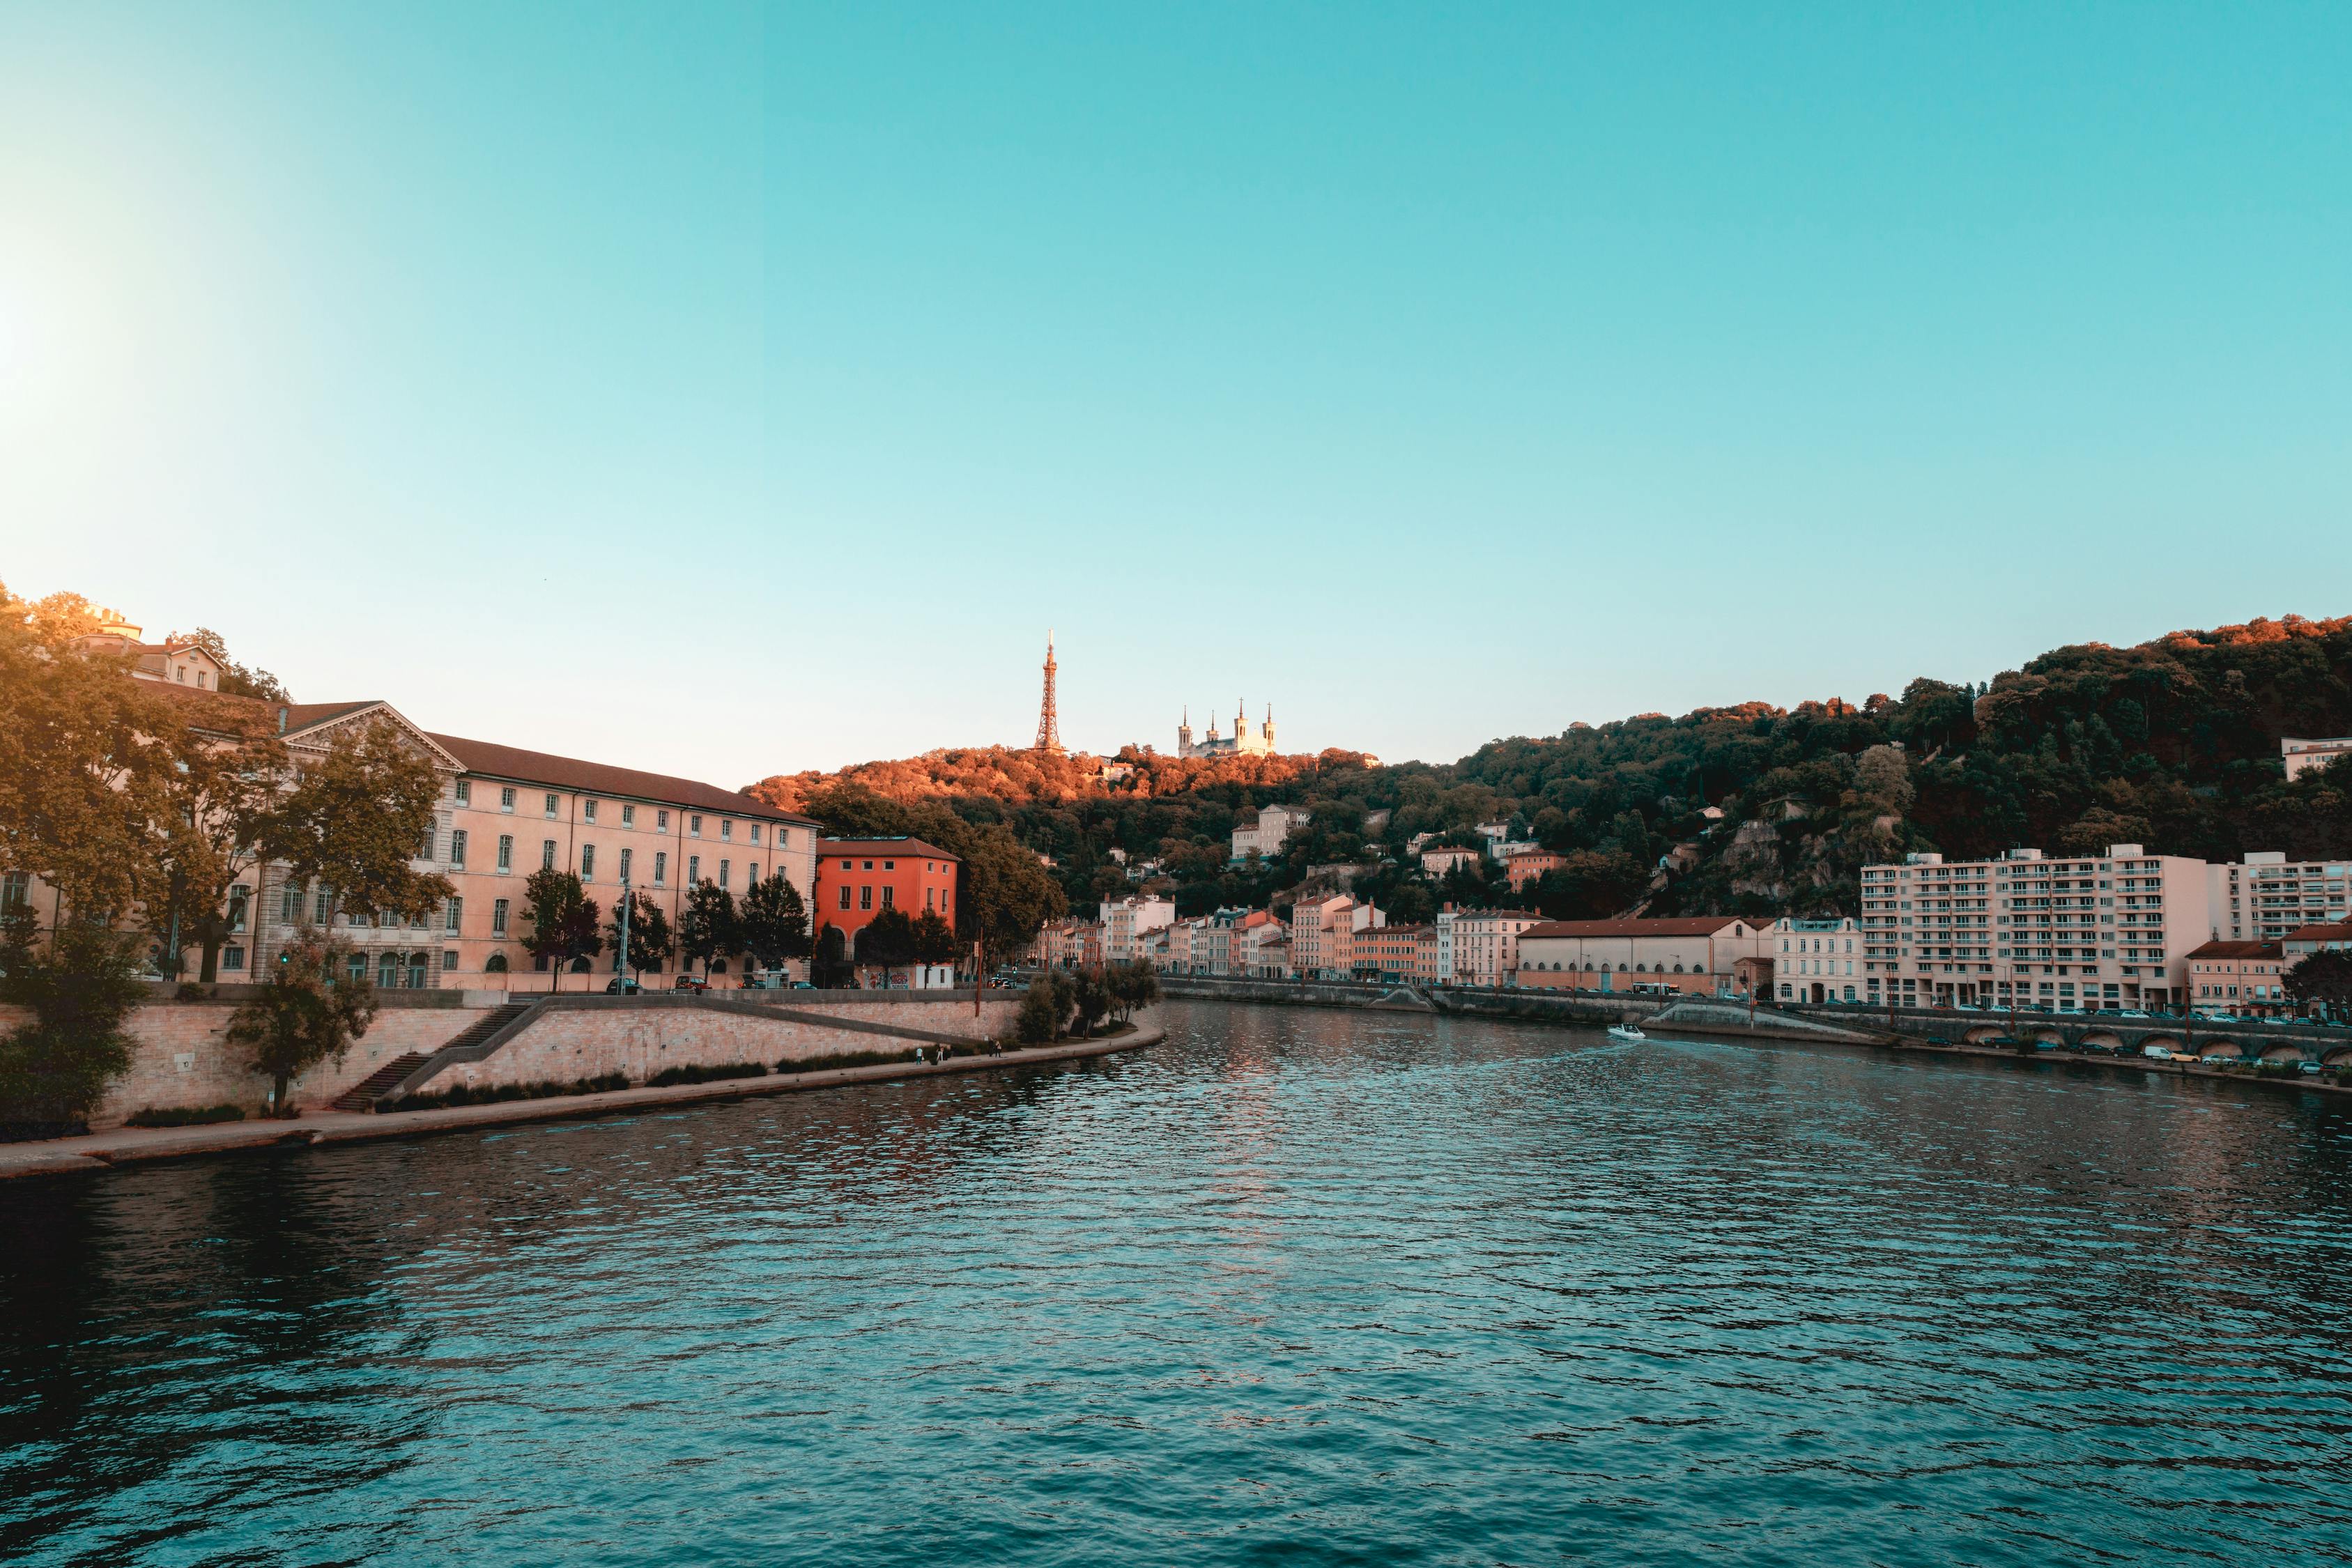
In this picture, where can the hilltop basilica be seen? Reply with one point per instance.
(1243, 744)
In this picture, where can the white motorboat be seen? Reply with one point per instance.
(1629, 1033)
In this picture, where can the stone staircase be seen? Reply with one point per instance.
(385, 1080)
(362, 1096)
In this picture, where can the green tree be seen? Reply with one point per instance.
(887, 943)
(310, 1011)
(1131, 986)
(934, 941)
(709, 929)
(224, 799)
(237, 679)
(1090, 998)
(564, 921)
(81, 988)
(651, 941)
(356, 817)
(1046, 1011)
(829, 965)
(774, 923)
(2322, 979)
(87, 761)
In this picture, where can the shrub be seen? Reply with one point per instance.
(697, 1074)
(54, 1071)
(844, 1059)
(181, 1116)
(495, 1094)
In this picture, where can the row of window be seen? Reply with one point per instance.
(551, 806)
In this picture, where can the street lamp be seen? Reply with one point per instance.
(620, 958)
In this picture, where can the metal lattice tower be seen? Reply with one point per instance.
(1049, 729)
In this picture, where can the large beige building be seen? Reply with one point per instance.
(503, 814)
(1274, 827)
(1697, 954)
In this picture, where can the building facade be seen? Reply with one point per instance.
(2239, 977)
(1126, 921)
(1817, 961)
(1699, 956)
(2265, 896)
(2299, 756)
(1482, 946)
(2067, 934)
(857, 878)
(1273, 829)
(1395, 954)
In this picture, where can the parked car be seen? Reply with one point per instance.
(690, 983)
(616, 987)
(2157, 1053)
(803, 985)
(2312, 1067)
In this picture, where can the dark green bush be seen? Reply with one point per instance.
(844, 1059)
(198, 1116)
(717, 1074)
(545, 1088)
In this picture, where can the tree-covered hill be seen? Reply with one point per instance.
(2172, 743)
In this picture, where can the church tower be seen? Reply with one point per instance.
(1268, 730)
(1184, 733)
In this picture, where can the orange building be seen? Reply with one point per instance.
(857, 879)
(1396, 954)
(1529, 864)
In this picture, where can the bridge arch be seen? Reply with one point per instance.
(2169, 1041)
(2049, 1032)
(2102, 1040)
(2283, 1051)
(1982, 1035)
(2220, 1048)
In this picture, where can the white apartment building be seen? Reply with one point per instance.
(1274, 826)
(1126, 921)
(2298, 755)
(1817, 961)
(2112, 930)
(2267, 895)
(1481, 947)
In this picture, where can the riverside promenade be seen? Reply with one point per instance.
(131, 1145)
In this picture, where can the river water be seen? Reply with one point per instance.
(1297, 1287)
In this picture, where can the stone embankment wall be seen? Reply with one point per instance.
(181, 1059)
(1481, 1002)
(642, 1036)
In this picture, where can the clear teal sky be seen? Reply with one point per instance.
(739, 389)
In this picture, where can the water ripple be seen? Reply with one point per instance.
(1296, 1287)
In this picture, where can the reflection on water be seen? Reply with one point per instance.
(1322, 1286)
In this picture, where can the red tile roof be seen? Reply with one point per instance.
(2236, 950)
(2326, 930)
(907, 848)
(600, 778)
(1701, 925)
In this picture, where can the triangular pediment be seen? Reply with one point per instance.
(321, 734)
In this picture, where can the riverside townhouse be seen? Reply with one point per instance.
(504, 812)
